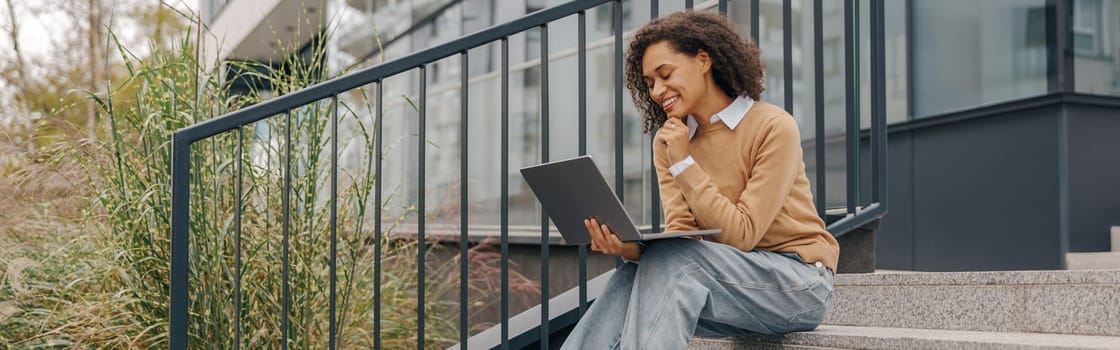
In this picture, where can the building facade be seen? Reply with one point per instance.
(1005, 114)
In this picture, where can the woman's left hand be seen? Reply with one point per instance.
(606, 242)
(674, 137)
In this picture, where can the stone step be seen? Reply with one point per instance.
(1059, 302)
(1093, 261)
(851, 337)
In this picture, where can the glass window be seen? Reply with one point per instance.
(1096, 29)
(1087, 29)
(968, 54)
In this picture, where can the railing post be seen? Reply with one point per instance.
(851, 91)
(544, 215)
(180, 228)
(377, 197)
(581, 53)
(879, 102)
(464, 205)
(332, 324)
(655, 191)
(619, 85)
(754, 21)
(505, 193)
(287, 222)
(421, 243)
(818, 76)
(237, 274)
(787, 53)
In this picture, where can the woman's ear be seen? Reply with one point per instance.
(705, 61)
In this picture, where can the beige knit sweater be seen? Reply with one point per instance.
(750, 182)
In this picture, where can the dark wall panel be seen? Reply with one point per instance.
(985, 193)
(894, 242)
(1094, 176)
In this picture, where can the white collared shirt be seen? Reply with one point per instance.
(730, 116)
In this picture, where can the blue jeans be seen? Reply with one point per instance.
(683, 288)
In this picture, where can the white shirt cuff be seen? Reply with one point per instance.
(678, 168)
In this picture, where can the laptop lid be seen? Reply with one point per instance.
(573, 189)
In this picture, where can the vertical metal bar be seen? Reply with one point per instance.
(851, 64)
(581, 40)
(180, 219)
(754, 21)
(655, 191)
(505, 193)
(544, 215)
(1065, 31)
(787, 53)
(688, 5)
(1053, 47)
(237, 224)
(1059, 34)
(463, 203)
(723, 7)
(333, 324)
(909, 35)
(421, 242)
(619, 169)
(879, 102)
(287, 205)
(380, 114)
(619, 85)
(653, 8)
(818, 76)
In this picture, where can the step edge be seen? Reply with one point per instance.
(1035, 277)
(856, 336)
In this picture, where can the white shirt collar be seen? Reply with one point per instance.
(730, 115)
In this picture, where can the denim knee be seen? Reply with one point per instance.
(677, 251)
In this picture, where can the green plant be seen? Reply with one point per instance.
(108, 286)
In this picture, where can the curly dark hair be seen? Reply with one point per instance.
(736, 63)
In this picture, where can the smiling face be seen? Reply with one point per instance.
(676, 81)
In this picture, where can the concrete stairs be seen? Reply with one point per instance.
(1097, 260)
(960, 310)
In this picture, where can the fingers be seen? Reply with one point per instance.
(593, 231)
(673, 127)
(675, 123)
(602, 239)
(611, 238)
(599, 241)
(605, 241)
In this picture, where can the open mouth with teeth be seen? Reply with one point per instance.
(669, 103)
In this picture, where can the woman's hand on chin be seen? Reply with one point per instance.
(674, 137)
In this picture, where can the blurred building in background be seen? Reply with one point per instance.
(1004, 148)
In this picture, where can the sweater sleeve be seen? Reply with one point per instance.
(678, 216)
(769, 183)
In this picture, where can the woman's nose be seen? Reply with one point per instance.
(656, 91)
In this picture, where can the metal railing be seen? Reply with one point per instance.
(330, 90)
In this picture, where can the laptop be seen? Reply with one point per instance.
(574, 189)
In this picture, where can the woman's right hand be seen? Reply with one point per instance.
(604, 240)
(673, 135)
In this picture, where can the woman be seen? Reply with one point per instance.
(724, 160)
